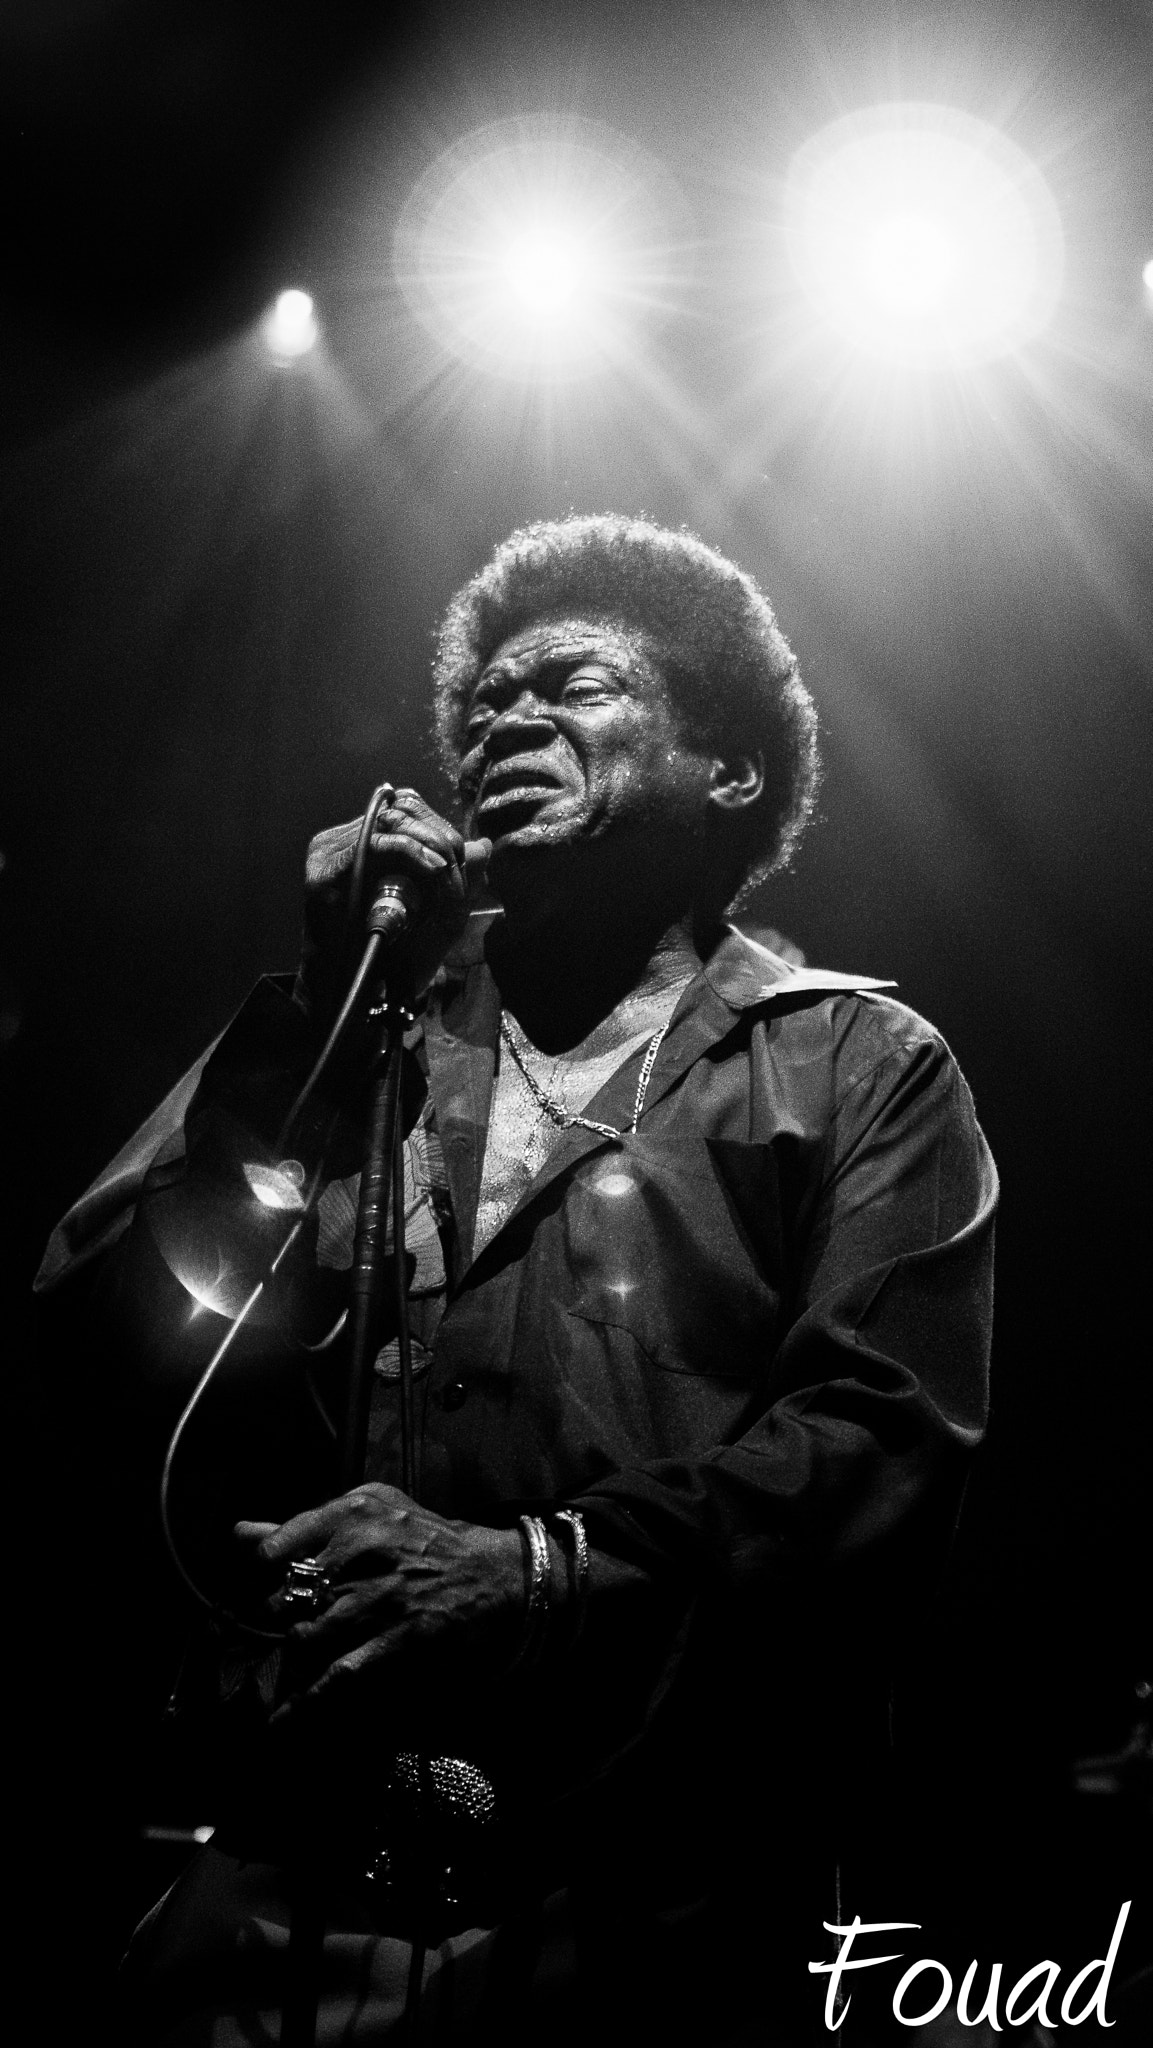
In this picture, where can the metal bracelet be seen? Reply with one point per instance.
(538, 1592)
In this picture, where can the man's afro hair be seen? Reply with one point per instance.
(729, 669)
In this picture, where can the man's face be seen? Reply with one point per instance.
(570, 736)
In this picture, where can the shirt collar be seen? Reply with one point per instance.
(739, 969)
(743, 972)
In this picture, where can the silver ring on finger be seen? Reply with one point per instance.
(306, 1587)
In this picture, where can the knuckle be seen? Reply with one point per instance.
(322, 871)
(331, 839)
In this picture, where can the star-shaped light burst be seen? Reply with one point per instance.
(534, 247)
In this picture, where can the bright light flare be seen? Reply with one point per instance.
(1147, 275)
(290, 327)
(277, 1187)
(533, 246)
(924, 235)
(907, 264)
(547, 268)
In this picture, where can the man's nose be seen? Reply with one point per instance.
(527, 718)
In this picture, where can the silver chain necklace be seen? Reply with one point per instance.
(554, 1110)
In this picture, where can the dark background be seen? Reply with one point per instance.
(221, 579)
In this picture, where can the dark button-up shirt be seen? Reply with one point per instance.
(755, 1328)
(749, 1342)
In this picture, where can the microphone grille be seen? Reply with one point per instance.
(447, 1787)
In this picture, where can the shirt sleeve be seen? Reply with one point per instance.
(98, 1219)
(236, 1092)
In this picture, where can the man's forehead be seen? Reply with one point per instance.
(572, 638)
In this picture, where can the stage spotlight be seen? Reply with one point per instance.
(546, 268)
(533, 246)
(923, 234)
(290, 327)
(1147, 275)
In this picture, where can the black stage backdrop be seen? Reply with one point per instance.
(220, 583)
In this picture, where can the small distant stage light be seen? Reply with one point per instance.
(923, 234)
(290, 327)
(532, 247)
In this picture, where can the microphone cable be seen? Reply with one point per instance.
(346, 1014)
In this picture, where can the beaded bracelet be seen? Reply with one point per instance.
(539, 1565)
(569, 1520)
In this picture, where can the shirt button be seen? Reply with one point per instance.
(455, 1394)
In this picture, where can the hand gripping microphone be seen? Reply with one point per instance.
(399, 902)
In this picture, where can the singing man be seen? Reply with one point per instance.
(699, 1266)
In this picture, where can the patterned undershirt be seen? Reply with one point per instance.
(520, 1133)
(520, 1137)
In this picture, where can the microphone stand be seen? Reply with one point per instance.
(382, 1171)
(383, 1168)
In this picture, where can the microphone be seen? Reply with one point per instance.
(400, 901)
(436, 1859)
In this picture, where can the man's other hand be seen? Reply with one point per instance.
(411, 1596)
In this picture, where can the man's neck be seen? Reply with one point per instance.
(563, 985)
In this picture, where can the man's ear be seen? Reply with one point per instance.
(738, 782)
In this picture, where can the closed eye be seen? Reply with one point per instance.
(480, 717)
(554, 682)
(590, 680)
